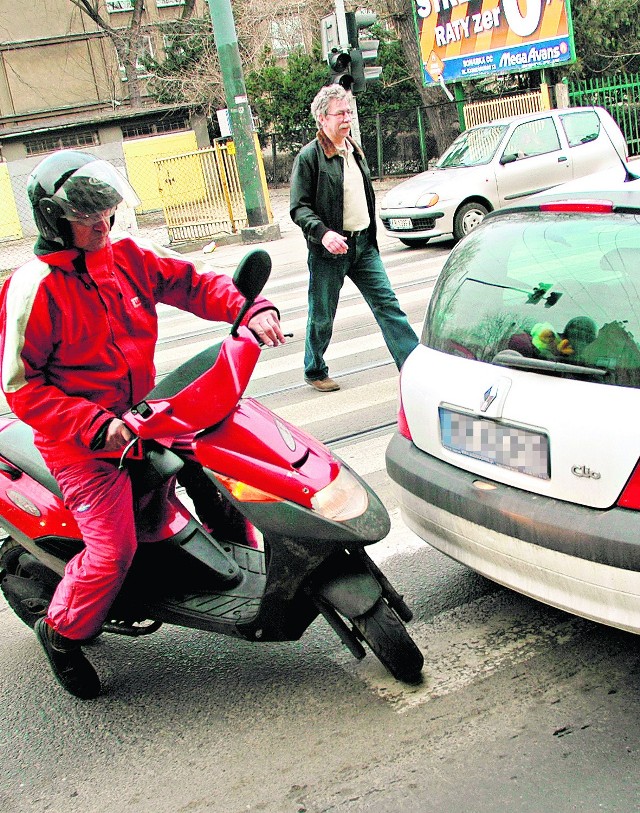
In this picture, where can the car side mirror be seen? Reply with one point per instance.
(509, 158)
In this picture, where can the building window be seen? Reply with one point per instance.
(49, 143)
(119, 5)
(146, 49)
(286, 35)
(138, 129)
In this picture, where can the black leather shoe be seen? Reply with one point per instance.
(70, 667)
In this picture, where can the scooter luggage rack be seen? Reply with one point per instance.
(198, 394)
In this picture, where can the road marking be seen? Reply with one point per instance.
(344, 402)
(469, 644)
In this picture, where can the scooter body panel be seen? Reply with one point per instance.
(282, 481)
(199, 393)
(254, 446)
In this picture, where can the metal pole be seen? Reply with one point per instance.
(424, 156)
(343, 41)
(238, 105)
(459, 97)
(341, 19)
(379, 147)
(355, 121)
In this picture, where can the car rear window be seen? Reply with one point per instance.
(561, 289)
(581, 127)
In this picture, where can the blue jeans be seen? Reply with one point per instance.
(363, 265)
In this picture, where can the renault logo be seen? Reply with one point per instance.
(489, 397)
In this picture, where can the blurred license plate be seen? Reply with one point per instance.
(400, 223)
(510, 447)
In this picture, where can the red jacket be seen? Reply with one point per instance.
(79, 331)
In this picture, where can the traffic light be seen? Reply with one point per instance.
(364, 49)
(341, 69)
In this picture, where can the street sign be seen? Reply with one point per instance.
(434, 66)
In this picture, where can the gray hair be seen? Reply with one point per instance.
(320, 105)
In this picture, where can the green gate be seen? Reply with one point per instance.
(619, 95)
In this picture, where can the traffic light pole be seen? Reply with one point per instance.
(343, 39)
(341, 20)
(226, 40)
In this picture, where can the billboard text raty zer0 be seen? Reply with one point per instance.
(471, 39)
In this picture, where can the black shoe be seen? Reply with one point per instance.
(70, 667)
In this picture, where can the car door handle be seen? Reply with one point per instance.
(562, 158)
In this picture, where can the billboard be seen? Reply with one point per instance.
(472, 39)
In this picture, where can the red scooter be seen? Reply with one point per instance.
(285, 543)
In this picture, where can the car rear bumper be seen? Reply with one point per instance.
(582, 560)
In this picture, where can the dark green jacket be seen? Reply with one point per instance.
(317, 189)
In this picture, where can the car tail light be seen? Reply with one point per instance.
(403, 426)
(630, 497)
(598, 206)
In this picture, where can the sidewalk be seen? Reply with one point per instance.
(16, 252)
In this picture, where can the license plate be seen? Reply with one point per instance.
(501, 444)
(400, 223)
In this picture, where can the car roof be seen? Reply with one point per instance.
(536, 115)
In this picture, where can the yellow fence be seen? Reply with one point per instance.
(140, 155)
(10, 228)
(481, 112)
(201, 193)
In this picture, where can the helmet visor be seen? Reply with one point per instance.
(92, 189)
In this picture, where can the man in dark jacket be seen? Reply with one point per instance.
(78, 333)
(332, 201)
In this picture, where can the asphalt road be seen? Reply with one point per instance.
(522, 708)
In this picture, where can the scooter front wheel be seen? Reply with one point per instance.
(386, 636)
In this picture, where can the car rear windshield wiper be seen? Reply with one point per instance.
(511, 358)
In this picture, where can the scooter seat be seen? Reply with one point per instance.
(16, 446)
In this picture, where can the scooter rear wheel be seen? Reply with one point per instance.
(390, 642)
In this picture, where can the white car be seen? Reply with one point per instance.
(499, 163)
(518, 443)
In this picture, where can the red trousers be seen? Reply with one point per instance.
(99, 495)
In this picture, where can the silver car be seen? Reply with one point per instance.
(518, 443)
(496, 164)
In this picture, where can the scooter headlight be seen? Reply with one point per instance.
(345, 498)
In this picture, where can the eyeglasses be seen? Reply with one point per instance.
(345, 114)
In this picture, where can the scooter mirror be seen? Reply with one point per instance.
(252, 273)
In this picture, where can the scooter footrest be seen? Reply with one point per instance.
(132, 630)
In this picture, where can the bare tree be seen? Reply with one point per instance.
(443, 118)
(190, 70)
(126, 41)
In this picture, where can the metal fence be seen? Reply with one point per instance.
(201, 193)
(402, 144)
(396, 145)
(620, 96)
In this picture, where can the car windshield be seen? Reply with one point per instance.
(545, 291)
(473, 147)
